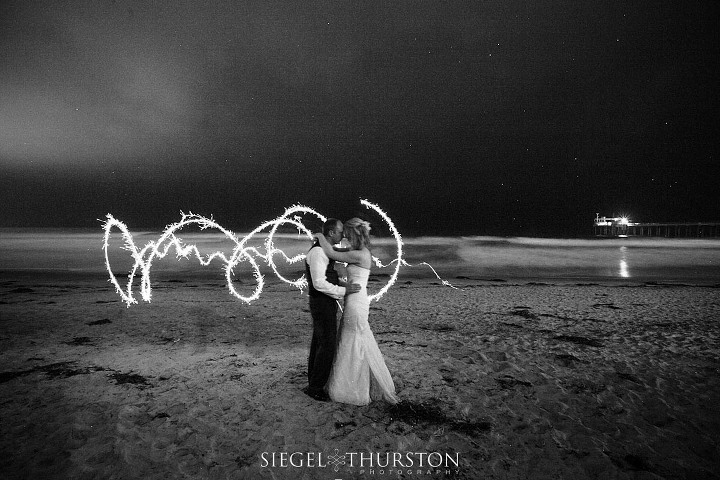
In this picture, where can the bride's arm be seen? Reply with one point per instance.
(351, 256)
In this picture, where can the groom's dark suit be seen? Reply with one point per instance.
(324, 291)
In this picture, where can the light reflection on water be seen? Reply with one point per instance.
(624, 270)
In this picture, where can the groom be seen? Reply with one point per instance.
(325, 289)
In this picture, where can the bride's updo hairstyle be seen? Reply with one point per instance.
(357, 233)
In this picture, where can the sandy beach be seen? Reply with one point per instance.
(509, 380)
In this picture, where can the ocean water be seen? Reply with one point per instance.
(631, 260)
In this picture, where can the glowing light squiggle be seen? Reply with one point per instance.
(242, 252)
(399, 261)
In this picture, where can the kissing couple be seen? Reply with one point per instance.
(344, 362)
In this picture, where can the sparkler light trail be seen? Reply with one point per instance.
(242, 252)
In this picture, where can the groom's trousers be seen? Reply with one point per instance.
(322, 347)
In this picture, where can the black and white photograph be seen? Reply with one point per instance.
(426, 240)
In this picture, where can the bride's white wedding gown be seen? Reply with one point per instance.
(358, 359)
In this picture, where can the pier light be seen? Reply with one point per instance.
(624, 220)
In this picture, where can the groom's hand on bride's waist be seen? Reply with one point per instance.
(352, 288)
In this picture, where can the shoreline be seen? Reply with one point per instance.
(421, 276)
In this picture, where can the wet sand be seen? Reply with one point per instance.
(514, 380)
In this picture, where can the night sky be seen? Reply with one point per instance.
(503, 117)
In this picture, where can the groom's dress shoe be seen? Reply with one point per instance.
(319, 396)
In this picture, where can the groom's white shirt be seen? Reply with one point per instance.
(318, 262)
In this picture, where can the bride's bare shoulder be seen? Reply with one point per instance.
(367, 257)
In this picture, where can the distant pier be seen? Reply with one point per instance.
(623, 227)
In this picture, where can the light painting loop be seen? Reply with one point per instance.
(143, 258)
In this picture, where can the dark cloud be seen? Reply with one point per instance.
(480, 117)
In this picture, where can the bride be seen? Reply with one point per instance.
(358, 360)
